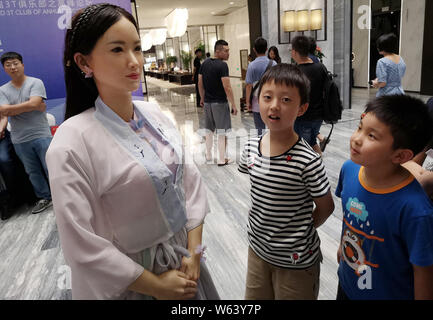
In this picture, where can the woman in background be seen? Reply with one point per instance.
(129, 210)
(274, 55)
(391, 68)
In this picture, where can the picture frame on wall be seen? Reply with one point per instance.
(288, 23)
(244, 63)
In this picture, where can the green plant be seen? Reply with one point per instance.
(203, 50)
(186, 59)
(171, 59)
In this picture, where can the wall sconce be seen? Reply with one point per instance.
(302, 20)
(312, 21)
(289, 21)
(316, 20)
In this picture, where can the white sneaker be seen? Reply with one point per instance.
(41, 205)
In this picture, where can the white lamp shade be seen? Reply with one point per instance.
(158, 36)
(289, 21)
(302, 20)
(316, 19)
(177, 22)
(146, 42)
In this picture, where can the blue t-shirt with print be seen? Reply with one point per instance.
(384, 233)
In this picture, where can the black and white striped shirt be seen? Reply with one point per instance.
(280, 223)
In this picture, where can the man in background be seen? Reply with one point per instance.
(216, 92)
(308, 125)
(255, 71)
(197, 65)
(22, 100)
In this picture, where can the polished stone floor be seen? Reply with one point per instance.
(31, 261)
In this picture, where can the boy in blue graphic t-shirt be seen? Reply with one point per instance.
(386, 249)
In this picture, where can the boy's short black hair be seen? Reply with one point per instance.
(302, 45)
(10, 56)
(219, 44)
(197, 50)
(261, 45)
(207, 54)
(388, 43)
(289, 75)
(408, 119)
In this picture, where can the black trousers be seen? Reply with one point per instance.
(17, 182)
(197, 92)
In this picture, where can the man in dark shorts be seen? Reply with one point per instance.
(308, 125)
(197, 65)
(215, 89)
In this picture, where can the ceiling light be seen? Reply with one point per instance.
(177, 22)
(158, 36)
(146, 42)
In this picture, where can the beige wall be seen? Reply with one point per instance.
(412, 38)
(237, 34)
(360, 47)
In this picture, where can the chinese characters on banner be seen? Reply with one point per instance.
(38, 7)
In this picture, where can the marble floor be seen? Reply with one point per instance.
(31, 261)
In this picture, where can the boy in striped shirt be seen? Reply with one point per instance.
(290, 195)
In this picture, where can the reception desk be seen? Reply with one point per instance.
(158, 74)
(181, 78)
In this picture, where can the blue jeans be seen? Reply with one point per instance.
(258, 122)
(32, 154)
(308, 130)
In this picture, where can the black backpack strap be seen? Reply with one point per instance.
(327, 73)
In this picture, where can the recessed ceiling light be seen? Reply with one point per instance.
(213, 12)
(231, 3)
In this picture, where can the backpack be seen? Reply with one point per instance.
(332, 107)
(430, 106)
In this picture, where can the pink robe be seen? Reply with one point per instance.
(106, 208)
